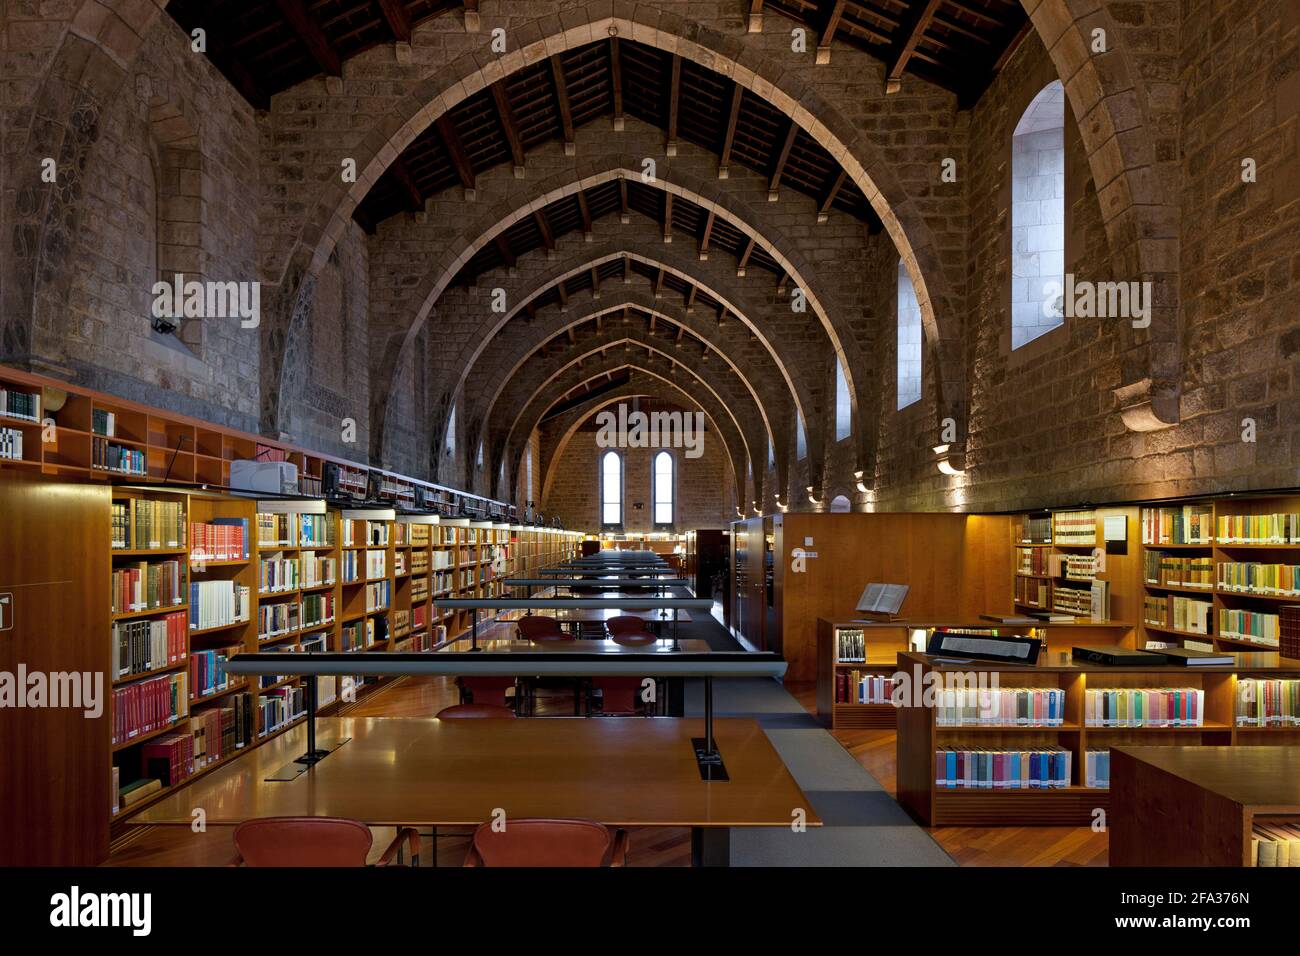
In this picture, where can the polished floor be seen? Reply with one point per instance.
(425, 696)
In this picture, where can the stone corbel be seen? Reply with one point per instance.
(1146, 408)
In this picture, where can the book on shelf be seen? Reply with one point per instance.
(221, 729)
(316, 530)
(280, 707)
(169, 759)
(1144, 707)
(11, 444)
(138, 790)
(1074, 528)
(116, 783)
(1189, 657)
(1252, 577)
(110, 456)
(103, 423)
(857, 687)
(1037, 768)
(1072, 600)
(148, 645)
(208, 670)
(1266, 702)
(1033, 561)
(276, 530)
(1032, 592)
(1097, 769)
(276, 620)
(16, 404)
(143, 524)
(278, 574)
(317, 609)
(850, 645)
(144, 586)
(1275, 843)
(144, 706)
(1117, 656)
(1288, 627)
(1254, 627)
(1279, 528)
(221, 539)
(218, 604)
(376, 564)
(1188, 524)
(1015, 620)
(1172, 570)
(317, 571)
(378, 595)
(1034, 529)
(1000, 707)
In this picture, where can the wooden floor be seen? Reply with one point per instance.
(425, 696)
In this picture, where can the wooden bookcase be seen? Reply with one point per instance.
(919, 735)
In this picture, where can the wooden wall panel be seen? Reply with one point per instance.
(54, 763)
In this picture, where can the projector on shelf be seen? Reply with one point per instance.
(273, 477)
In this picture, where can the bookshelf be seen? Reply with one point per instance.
(1219, 691)
(1223, 573)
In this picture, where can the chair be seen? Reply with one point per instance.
(619, 696)
(456, 711)
(558, 638)
(548, 843)
(484, 690)
(625, 624)
(533, 625)
(315, 841)
(639, 639)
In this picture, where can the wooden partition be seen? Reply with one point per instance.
(789, 570)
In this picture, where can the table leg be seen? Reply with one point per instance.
(676, 689)
(710, 846)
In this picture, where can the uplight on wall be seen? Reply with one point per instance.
(812, 497)
(943, 459)
(858, 477)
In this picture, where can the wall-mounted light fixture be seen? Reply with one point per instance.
(811, 497)
(859, 483)
(944, 455)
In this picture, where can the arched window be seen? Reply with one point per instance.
(528, 474)
(611, 488)
(840, 504)
(449, 440)
(843, 408)
(1038, 216)
(909, 340)
(663, 488)
(800, 438)
(478, 456)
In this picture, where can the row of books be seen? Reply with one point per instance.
(218, 604)
(376, 565)
(850, 644)
(1074, 527)
(222, 729)
(1275, 843)
(143, 523)
(1096, 769)
(1037, 768)
(316, 531)
(400, 562)
(24, 405)
(856, 687)
(352, 636)
(1070, 600)
(276, 530)
(280, 707)
(103, 422)
(1259, 529)
(278, 574)
(1033, 592)
(110, 456)
(419, 616)
(1144, 707)
(221, 539)
(208, 670)
(317, 609)
(1249, 577)
(1033, 561)
(1253, 626)
(1035, 529)
(441, 560)
(378, 595)
(358, 532)
(1189, 524)
(144, 706)
(1000, 707)
(1081, 567)
(275, 620)
(419, 589)
(143, 646)
(1171, 570)
(419, 562)
(11, 444)
(1180, 613)
(1263, 702)
(142, 586)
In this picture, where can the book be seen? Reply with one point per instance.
(135, 792)
(1144, 707)
(1009, 618)
(1192, 658)
(1038, 768)
(1118, 656)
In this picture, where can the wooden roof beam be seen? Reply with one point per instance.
(544, 227)
(708, 234)
(399, 172)
(572, 338)
(394, 14)
(729, 138)
(562, 100)
(658, 285)
(674, 104)
(564, 295)
(471, 16)
(585, 212)
(503, 247)
(506, 116)
(668, 217)
(616, 82)
(456, 153)
(778, 169)
(624, 210)
(690, 299)
(824, 208)
(627, 270)
(302, 23)
(744, 257)
(595, 283)
(913, 29)
(531, 309)
(755, 21)
(828, 33)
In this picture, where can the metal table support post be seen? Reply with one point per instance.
(706, 750)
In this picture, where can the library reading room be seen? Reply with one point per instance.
(689, 434)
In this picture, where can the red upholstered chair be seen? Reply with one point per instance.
(474, 710)
(639, 639)
(315, 841)
(484, 690)
(548, 843)
(560, 638)
(618, 696)
(533, 626)
(625, 624)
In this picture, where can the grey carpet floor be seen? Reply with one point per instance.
(862, 824)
